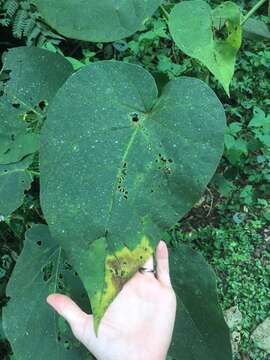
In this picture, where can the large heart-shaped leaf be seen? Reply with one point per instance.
(40, 270)
(200, 331)
(91, 20)
(211, 36)
(120, 165)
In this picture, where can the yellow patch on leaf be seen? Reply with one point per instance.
(119, 268)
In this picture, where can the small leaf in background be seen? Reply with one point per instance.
(98, 21)
(120, 45)
(266, 214)
(238, 217)
(256, 30)
(30, 79)
(200, 330)
(211, 36)
(41, 269)
(77, 64)
(14, 181)
(135, 165)
(261, 335)
(24, 144)
(260, 126)
(224, 186)
(260, 119)
(247, 194)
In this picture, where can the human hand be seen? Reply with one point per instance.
(138, 324)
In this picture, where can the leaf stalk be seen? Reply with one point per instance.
(252, 11)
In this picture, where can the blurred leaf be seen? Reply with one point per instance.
(77, 64)
(266, 214)
(238, 217)
(256, 30)
(33, 76)
(260, 119)
(39, 271)
(14, 180)
(99, 21)
(200, 330)
(211, 36)
(224, 186)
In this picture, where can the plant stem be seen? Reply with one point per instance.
(252, 11)
(165, 12)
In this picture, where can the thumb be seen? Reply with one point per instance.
(80, 322)
(162, 258)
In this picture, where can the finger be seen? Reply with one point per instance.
(79, 321)
(147, 268)
(149, 265)
(162, 257)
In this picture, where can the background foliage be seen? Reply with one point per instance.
(230, 225)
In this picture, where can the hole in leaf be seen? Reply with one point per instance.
(67, 266)
(135, 117)
(39, 243)
(220, 29)
(16, 105)
(47, 271)
(67, 345)
(42, 104)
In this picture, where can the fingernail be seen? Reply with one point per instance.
(162, 248)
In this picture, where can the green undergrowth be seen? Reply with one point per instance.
(230, 225)
(240, 256)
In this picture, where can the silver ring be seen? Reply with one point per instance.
(142, 270)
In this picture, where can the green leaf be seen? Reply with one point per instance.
(200, 330)
(14, 180)
(260, 119)
(256, 30)
(266, 214)
(100, 21)
(33, 76)
(211, 36)
(40, 270)
(131, 169)
(23, 144)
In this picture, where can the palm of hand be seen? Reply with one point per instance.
(137, 325)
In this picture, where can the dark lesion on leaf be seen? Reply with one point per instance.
(164, 164)
(47, 271)
(16, 105)
(221, 29)
(135, 117)
(118, 272)
(42, 105)
(120, 187)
